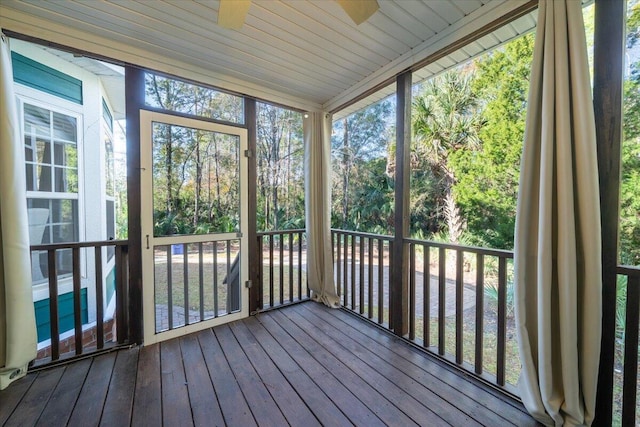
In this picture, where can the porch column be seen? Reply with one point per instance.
(399, 319)
(255, 269)
(608, 59)
(134, 89)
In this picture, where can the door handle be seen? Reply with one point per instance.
(147, 241)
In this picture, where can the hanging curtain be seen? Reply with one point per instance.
(557, 245)
(317, 162)
(18, 339)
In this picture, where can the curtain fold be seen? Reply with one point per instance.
(317, 162)
(18, 338)
(558, 279)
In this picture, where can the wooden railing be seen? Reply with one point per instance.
(460, 307)
(195, 282)
(626, 406)
(361, 273)
(283, 276)
(93, 336)
(472, 325)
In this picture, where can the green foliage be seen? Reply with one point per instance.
(487, 185)
(445, 122)
(630, 182)
(445, 117)
(362, 193)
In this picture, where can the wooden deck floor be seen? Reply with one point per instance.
(304, 365)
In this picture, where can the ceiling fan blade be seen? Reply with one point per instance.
(232, 13)
(359, 10)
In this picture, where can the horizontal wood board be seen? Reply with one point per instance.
(303, 365)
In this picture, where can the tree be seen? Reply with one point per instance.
(630, 182)
(357, 142)
(488, 179)
(280, 173)
(446, 119)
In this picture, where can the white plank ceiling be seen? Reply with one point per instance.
(304, 53)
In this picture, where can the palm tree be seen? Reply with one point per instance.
(446, 118)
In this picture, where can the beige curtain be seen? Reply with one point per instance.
(18, 340)
(557, 246)
(317, 162)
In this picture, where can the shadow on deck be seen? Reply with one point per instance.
(303, 365)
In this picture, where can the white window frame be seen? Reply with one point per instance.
(27, 95)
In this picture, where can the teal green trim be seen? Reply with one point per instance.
(111, 284)
(106, 114)
(30, 73)
(65, 314)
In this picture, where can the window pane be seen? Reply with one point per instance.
(43, 148)
(44, 178)
(196, 177)
(109, 165)
(28, 151)
(36, 120)
(111, 227)
(64, 233)
(64, 210)
(60, 217)
(362, 147)
(31, 179)
(64, 127)
(183, 97)
(280, 161)
(66, 180)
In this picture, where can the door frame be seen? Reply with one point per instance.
(148, 241)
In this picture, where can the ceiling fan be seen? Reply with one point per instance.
(232, 13)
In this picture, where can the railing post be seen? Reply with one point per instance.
(399, 268)
(608, 59)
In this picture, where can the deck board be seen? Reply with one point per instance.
(503, 407)
(369, 387)
(35, 399)
(58, 409)
(264, 408)
(292, 406)
(10, 400)
(234, 407)
(316, 400)
(422, 406)
(304, 365)
(147, 410)
(204, 406)
(94, 391)
(345, 399)
(176, 410)
(413, 380)
(119, 403)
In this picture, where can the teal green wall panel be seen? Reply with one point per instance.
(111, 284)
(65, 314)
(46, 79)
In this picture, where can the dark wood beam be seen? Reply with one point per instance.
(400, 262)
(134, 90)
(608, 58)
(255, 292)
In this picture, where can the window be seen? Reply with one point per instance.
(182, 97)
(51, 165)
(109, 176)
(362, 157)
(280, 170)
